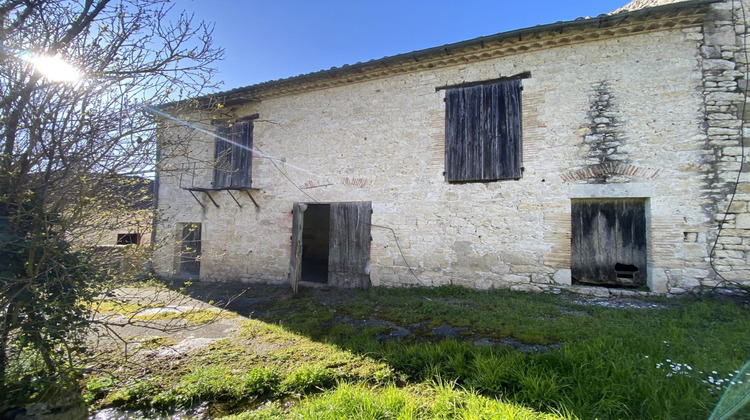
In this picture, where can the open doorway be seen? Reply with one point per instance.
(315, 240)
(331, 244)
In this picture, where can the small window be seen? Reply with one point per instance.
(128, 238)
(233, 156)
(483, 132)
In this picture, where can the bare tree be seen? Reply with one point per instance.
(61, 144)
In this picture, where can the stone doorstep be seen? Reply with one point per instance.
(598, 291)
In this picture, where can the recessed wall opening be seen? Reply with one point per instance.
(331, 244)
(608, 242)
(625, 271)
(315, 242)
(128, 238)
(190, 249)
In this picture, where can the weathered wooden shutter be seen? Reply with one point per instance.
(295, 262)
(483, 132)
(608, 242)
(242, 155)
(506, 140)
(349, 248)
(222, 157)
(234, 158)
(190, 249)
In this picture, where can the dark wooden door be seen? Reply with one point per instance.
(190, 249)
(608, 241)
(349, 249)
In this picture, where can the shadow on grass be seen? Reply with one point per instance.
(551, 353)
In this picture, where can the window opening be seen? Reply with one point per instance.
(128, 238)
(232, 166)
(190, 249)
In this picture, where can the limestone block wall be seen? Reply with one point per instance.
(725, 69)
(621, 117)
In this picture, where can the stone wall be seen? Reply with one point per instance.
(619, 116)
(725, 60)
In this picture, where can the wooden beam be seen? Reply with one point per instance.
(524, 75)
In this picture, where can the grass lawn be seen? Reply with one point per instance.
(333, 354)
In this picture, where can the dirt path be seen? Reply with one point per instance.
(144, 314)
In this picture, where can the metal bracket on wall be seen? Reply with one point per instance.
(208, 191)
(247, 191)
(235, 200)
(196, 199)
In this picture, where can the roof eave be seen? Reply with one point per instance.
(256, 92)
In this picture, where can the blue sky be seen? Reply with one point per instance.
(273, 39)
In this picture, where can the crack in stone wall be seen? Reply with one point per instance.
(605, 136)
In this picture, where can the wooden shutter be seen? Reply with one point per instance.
(190, 249)
(483, 132)
(349, 248)
(234, 158)
(242, 155)
(295, 262)
(222, 157)
(506, 138)
(608, 242)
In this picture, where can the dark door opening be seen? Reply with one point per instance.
(190, 250)
(315, 242)
(331, 244)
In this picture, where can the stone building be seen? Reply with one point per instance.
(600, 154)
(120, 214)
